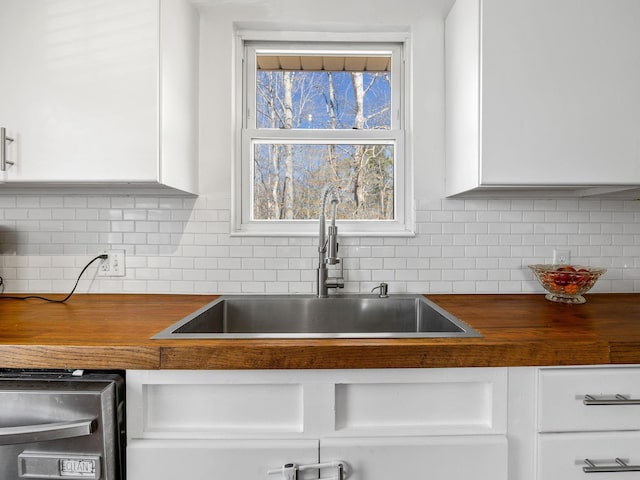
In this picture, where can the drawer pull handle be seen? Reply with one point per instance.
(289, 471)
(621, 466)
(618, 400)
(3, 149)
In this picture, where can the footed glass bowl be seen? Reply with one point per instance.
(566, 283)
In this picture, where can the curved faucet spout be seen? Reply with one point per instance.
(329, 190)
(328, 247)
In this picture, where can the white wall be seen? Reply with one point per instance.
(182, 245)
(423, 19)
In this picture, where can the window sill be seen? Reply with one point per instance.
(311, 229)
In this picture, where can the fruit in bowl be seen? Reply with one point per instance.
(566, 283)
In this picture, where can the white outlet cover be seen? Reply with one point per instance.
(114, 266)
(561, 256)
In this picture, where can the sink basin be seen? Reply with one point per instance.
(298, 316)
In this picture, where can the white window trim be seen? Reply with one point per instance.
(242, 188)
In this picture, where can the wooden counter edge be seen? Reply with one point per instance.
(340, 356)
(625, 352)
(118, 357)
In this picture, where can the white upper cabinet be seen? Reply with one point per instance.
(542, 93)
(99, 92)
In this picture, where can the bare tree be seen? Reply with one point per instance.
(359, 156)
(288, 188)
(331, 107)
(289, 176)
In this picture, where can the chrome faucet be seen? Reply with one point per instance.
(328, 246)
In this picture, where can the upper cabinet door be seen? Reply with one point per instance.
(79, 83)
(81, 90)
(543, 93)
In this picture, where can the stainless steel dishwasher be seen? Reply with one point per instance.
(61, 425)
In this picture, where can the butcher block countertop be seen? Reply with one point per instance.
(114, 331)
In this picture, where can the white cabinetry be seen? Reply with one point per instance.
(437, 458)
(100, 92)
(437, 424)
(542, 93)
(589, 415)
(214, 459)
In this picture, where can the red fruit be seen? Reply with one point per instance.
(566, 268)
(562, 278)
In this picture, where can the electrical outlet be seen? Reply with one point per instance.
(114, 265)
(561, 256)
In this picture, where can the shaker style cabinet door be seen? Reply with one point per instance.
(99, 93)
(482, 457)
(78, 90)
(218, 459)
(542, 93)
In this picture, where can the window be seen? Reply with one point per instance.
(318, 114)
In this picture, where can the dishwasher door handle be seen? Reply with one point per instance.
(44, 432)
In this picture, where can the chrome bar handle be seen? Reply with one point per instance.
(617, 400)
(621, 466)
(289, 471)
(47, 431)
(3, 149)
(339, 465)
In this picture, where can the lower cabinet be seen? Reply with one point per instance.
(525, 423)
(433, 458)
(589, 423)
(435, 424)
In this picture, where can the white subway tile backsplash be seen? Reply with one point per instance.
(182, 245)
(276, 264)
(284, 252)
(464, 263)
(578, 217)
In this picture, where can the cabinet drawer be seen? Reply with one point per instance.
(562, 455)
(562, 399)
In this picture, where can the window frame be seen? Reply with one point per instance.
(247, 44)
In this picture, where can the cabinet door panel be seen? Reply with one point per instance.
(560, 92)
(542, 93)
(482, 457)
(79, 90)
(440, 405)
(562, 455)
(216, 459)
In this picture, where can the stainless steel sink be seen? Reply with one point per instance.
(340, 316)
